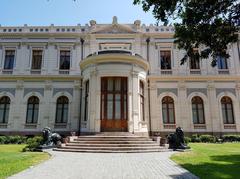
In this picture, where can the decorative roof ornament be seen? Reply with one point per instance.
(115, 20)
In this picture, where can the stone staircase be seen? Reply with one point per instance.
(111, 143)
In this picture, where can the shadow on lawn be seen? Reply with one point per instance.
(222, 166)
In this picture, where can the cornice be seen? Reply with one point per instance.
(111, 58)
(195, 78)
(39, 78)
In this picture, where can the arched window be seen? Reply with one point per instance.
(4, 109)
(32, 110)
(198, 110)
(168, 113)
(62, 109)
(227, 110)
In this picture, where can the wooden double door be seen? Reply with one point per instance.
(114, 104)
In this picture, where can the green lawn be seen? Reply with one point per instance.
(12, 160)
(211, 160)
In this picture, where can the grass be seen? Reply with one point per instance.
(211, 160)
(12, 160)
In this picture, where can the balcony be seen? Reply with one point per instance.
(64, 72)
(35, 71)
(7, 71)
(195, 71)
(199, 126)
(223, 71)
(229, 126)
(166, 72)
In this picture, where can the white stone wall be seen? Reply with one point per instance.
(49, 85)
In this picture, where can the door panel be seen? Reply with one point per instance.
(114, 104)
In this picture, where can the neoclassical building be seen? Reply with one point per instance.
(112, 77)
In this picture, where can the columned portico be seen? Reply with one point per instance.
(114, 102)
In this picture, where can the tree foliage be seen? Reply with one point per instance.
(208, 25)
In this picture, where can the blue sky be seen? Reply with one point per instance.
(68, 12)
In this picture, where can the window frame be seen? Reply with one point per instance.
(14, 58)
(34, 109)
(160, 59)
(62, 120)
(168, 102)
(32, 55)
(225, 109)
(70, 56)
(199, 101)
(6, 108)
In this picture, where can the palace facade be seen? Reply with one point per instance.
(112, 77)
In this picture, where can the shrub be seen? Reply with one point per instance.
(187, 140)
(2, 139)
(231, 138)
(195, 138)
(207, 138)
(33, 143)
(12, 139)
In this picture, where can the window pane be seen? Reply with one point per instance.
(59, 114)
(9, 59)
(35, 116)
(194, 116)
(165, 57)
(201, 116)
(1, 115)
(224, 114)
(125, 107)
(230, 116)
(110, 84)
(109, 106)
(36, 59)
(65, 115)
(164, 115)
(29, 116)
(117, 106)
(171, 116)
(118, 84)
(65, 60)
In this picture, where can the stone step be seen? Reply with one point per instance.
(111, 136)
(112, 139)
(112, 142)
(112, 145)
(110, 148)
(111, 151)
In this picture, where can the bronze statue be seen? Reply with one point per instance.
(49, 138)
(176, 140)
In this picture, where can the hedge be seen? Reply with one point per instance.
(212, 139)
(13, 139)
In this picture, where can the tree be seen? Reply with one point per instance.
(209, 25)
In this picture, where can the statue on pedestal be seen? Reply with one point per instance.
(49, 138)
(176, 140)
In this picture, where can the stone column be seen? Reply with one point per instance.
(237, 121)
(182, 106)
(135, 101)
(76, 107)
(18, 113)
(49, 107)
(92, 101)
(216, 124)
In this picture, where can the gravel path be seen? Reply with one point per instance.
(66, 165)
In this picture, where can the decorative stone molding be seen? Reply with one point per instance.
(48, 85)
(182, 85)
(20, 84)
